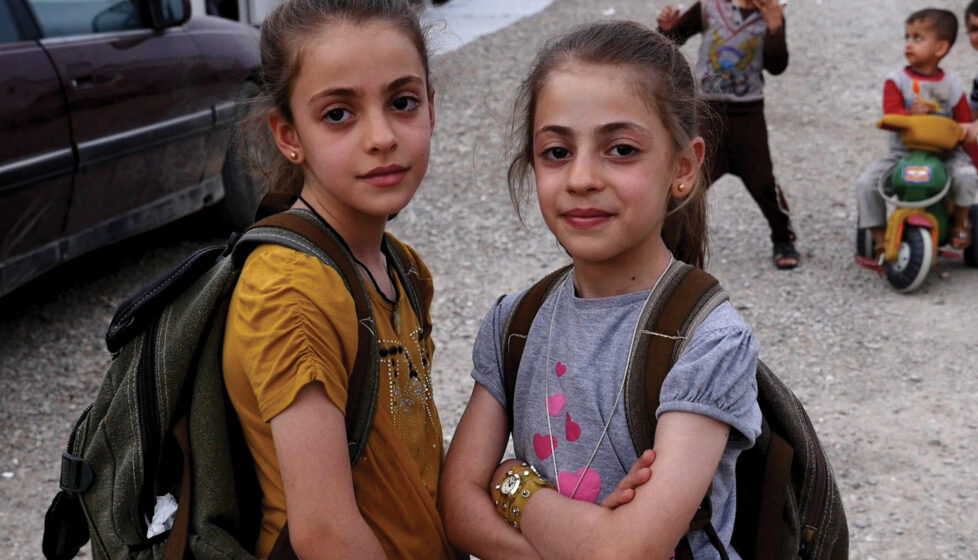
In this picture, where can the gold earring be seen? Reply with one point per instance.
(294, 156)
(682, 187)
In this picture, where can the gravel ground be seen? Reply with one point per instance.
(887, 378)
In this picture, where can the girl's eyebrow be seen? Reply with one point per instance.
(602, 129)
(334, 92)
(616, 126)
(554, 128)
(344, 91)
(405, 80)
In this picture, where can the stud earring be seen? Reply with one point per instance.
(682, 187)
(294, 156)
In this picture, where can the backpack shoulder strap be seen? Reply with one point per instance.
(680, 302)
(304, 233)
(406, 269)
(683, 298)
(518, 327)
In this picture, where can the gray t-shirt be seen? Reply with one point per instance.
(583, 365)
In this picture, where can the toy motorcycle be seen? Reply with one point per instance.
(917, 190)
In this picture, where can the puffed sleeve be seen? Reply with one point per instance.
(716, 376)
(487, 354)
(294, 324)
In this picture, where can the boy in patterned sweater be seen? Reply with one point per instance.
(922, 88)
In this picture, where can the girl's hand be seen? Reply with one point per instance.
(639, 474)
(772, 11)
(667, 17)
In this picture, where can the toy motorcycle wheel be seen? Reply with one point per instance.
(911, 266)
(971, 251)
(864, 243)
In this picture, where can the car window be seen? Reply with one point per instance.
(8, 27)
(173, 10)
(60, 18)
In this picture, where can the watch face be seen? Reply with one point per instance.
(510, 485)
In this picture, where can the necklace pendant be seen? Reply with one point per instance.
(396, 319)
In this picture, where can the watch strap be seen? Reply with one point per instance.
(511, 506)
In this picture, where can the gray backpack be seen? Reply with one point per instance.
(162, 422)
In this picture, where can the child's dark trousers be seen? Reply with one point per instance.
(738, 136)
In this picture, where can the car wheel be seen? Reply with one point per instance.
(242, 192)
(913, 262)
(971, 251)
(864, 243)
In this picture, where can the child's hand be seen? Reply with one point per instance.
(772, 11)
(639, 474)
(969, 132)
(918, 107)
(667, 18)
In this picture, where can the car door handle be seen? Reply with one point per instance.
(83, 82)
(82, 75)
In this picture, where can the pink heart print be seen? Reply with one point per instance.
(542, 445)
(589, 489)
(556, 403)
(561, 369)
(571, 428)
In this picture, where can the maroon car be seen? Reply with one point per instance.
(114, 118)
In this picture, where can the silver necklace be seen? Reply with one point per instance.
(621, 388)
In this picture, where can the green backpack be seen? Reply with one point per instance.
(162, 422)
(788, 504)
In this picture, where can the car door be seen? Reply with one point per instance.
(134, 116)
(36, 157)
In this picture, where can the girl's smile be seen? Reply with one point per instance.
(386, 176)
(586, 218)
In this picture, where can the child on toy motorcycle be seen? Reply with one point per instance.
(923, 88)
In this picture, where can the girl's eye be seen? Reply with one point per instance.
(623, 150)
(338, 115)
(405, 103)
(556, 153)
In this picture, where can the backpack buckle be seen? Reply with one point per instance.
(76, 474)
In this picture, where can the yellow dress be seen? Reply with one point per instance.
(291, 322)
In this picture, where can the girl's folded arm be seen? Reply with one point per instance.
(688, 449)
(470, 519)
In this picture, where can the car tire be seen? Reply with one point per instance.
(971, 251)
(913, 262)
(242, 192)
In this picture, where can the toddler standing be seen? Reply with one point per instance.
(741, 39)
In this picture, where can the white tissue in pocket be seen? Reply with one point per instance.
(163, 514)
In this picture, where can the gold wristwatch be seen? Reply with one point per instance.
(514, 490)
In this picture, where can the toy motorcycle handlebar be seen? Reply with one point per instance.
(895, 200)
(930, 133)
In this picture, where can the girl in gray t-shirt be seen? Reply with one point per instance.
(609, 131)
